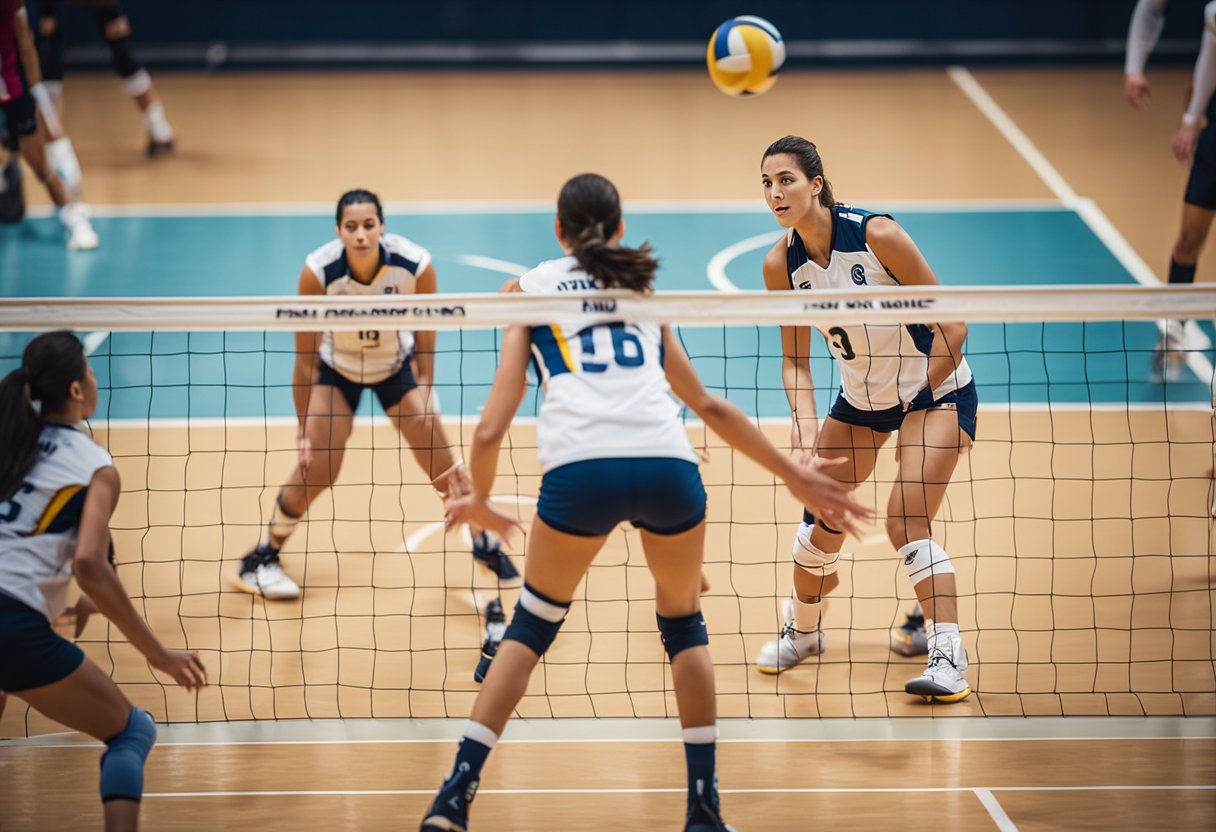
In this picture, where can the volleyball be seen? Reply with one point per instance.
(744, 56)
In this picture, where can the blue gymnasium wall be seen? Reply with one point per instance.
(1091, 29)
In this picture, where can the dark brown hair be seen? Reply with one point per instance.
(807, 156)
(49, 365)
(359, 197)
(589, 211)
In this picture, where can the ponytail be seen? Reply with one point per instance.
(49, 365)
(589, 211)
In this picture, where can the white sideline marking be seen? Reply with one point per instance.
(774, 790)
(1003, 822)
(94, 340)
(1086, 208)
(493, 264)
(716, 270)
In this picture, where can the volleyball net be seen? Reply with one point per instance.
(1080, 524)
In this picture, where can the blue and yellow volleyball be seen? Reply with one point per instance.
(744, 56)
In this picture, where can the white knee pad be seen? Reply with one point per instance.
(811, 558)
(62, 157)
(924, 559)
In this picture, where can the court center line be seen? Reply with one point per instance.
(771, 790)
(995, 810)
(1089, 212)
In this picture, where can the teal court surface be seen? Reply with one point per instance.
(258, 250)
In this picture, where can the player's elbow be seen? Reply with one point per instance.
(489, 434)
(91, 570)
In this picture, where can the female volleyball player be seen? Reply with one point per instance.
(911, 379)
(332, 370)
(57, 491)
(613, 448)
(21, 111)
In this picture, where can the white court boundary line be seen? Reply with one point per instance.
(1086, 208)
(456, 420)
(995, 810)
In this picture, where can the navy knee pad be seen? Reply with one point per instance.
(681, 633)
(536, 620)
(122, 766)
(121, 59)
(825, 527)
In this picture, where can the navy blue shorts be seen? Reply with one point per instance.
(21, 114)
(390, 391)
(31, 653)
(964, 401)
(590, 498)
(1201, 186)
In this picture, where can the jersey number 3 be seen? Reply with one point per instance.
(626, 348)
(842, 343)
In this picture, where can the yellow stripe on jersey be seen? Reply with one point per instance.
(563, 347)
(62, 497)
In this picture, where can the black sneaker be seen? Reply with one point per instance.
(487, 551)
(496, 626)
(702, 817)
(450, 810)
(156, 148)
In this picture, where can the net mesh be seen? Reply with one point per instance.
(1080, 523)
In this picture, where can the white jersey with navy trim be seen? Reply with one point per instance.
(606, 394)
(38, 522)
(881, 365)
(369, 356)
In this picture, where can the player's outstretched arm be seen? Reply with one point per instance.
(99, 582)
(505, 395)
(819, 492)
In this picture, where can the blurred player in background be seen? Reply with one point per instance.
(115, 29)
(1195, 142)
(29, 114)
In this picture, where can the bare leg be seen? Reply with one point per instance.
(87, 700)
(328, 427)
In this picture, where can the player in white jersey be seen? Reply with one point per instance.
(612, 448)
(1194, 142)
(58, 490)
(911, 379)
(332, 369)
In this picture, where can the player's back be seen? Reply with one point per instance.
(38, 522)
(606, 393)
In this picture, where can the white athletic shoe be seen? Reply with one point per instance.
(943, 679)
(266, 579)
(75, 218)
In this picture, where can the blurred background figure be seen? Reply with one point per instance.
(115, 29)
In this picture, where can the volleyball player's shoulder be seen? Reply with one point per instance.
(322, 257)
(406, 253)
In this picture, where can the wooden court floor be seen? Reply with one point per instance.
(1068, 622)
(1023, 784)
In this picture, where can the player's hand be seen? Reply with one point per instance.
(304, 448)
(454, 482)
(184, 666)
(1184, 142)
(475, 509)
(1137, 91)
(827, 497)
(804, 436)
(80, 613)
